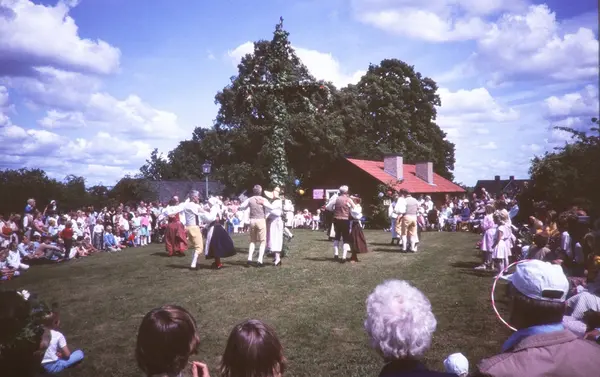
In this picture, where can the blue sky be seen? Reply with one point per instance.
(89, 87)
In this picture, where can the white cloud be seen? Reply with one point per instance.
(488, 145)
(323, 66)
(533, 148)
(131, 117)
(36, 35)
(532, 45)
(476, 105)
(583, 103)
(433, 20)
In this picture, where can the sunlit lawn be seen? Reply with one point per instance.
(315, 304)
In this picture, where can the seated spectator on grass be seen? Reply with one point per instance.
(58, 356)
(540, 250)
(6, 272)
(253, 349)
(541, 346)
(110, 241)
(14, 258)
(400, 325)
(20, 337)
(166, 339)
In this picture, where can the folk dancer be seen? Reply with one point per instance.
(193, 210)
(275, 226)
(341, 223)
(288, 215)
(218, 242)
(175, 237)
(329, 227)
(393, 217)
(357, 236)
(258, 224)
(409, 223)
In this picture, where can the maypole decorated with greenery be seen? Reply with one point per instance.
(271, 105)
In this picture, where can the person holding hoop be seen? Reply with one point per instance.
(540, 346)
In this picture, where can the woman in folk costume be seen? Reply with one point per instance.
(393, 217)
(275, 225)
(358, 242)
(175, 237)
(218, 242)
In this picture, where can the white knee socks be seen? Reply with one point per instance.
(194, 260)
(277, 258)
(336, 250)
(251, 251)
(287, 232)
(413, 245)
(346, 249)
(261, 252)
(404, 243)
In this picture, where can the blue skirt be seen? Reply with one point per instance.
(221, 244)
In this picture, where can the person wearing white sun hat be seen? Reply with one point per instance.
(541, 346)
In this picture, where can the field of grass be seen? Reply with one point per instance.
(317, 306)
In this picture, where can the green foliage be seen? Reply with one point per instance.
(569, 175)
(392, 109)
(276, 122)
(17, 186)
(130, 190)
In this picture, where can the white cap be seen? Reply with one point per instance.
(344, 189)
(457, 363)
(540, 281)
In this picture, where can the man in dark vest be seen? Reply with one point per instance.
(258, 223)
(341, 223)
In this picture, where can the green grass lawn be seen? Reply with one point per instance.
(316, 306)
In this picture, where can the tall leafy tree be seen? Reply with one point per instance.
(270, 109)
(393, 109)
(569, 175)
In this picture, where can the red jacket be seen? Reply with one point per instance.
(67, 234)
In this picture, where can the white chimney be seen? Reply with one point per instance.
(424, 170)
(393, 165)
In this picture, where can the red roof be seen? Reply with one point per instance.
(411, 182)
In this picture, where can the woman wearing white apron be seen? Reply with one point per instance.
(275, 225)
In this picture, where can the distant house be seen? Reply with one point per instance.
(499, 186)
(364, 176)
(165, 190)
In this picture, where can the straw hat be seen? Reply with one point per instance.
(273, 194)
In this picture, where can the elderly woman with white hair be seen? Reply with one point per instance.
(400, 325)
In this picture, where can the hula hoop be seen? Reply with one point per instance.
(494, 290)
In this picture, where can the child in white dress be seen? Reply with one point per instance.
(501, 249)
(316, 218)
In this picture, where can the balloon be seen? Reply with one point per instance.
(297, 182)
(301, 192)
(381, 195)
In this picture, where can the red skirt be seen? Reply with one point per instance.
(175, 237)
(358, 242)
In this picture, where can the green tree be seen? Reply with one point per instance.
(157, 167)
(570, 174)
(393, 109)
(132, 190)
(271, 110)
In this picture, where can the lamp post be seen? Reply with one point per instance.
(206, 170)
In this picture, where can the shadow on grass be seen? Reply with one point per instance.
(320, 259)
(470, 265)
(390, 250)
(160, 254)
(187, 267)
